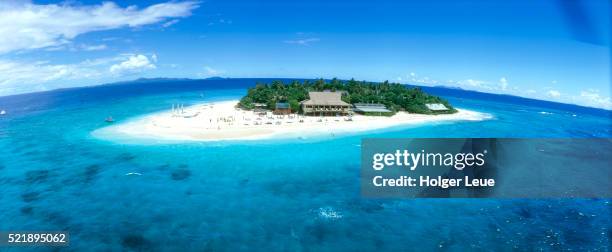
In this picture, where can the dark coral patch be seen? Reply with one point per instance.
(37, 176)
(26, 210)
(91, 172)
(30, 196)
(126, 157)
(243, 182)
(133, 241)
(163, 167)
(524, 212)
(180, 174)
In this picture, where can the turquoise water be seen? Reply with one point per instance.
(292, 194)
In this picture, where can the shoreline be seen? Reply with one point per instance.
(222, 121)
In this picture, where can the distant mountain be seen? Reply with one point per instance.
(164, 79)
(157, 79)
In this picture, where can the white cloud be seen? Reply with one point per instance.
(592, 98)
(170, 23)
(94, 47)
(135, 63)
(24, 25)
(303, 42)
(553, 93)
(209, 72)
(223, 21)
(412, 77)
(425, 80)
(503, 83)
(588, 97)
(20, 77)
(74, 48)
(220, 21)
(479, 84)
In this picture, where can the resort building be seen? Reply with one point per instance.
(371, 108)
(436, 106)
(282, 108)
(325, 104)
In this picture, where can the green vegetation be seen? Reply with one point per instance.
(395, 96)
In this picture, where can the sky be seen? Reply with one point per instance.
(557, 50)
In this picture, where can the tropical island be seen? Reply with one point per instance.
(295, 110)
(336, 97)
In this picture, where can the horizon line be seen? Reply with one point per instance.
(294, 78)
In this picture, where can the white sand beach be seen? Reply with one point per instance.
(223, 121)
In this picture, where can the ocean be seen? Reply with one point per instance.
(288, 194)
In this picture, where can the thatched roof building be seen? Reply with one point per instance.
(325, 103)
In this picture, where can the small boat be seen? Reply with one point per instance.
(109, 119)
(3, 112)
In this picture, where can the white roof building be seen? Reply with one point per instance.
(436, 106)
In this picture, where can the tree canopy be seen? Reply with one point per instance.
(395, 96)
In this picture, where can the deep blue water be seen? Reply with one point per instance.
(279, 194)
